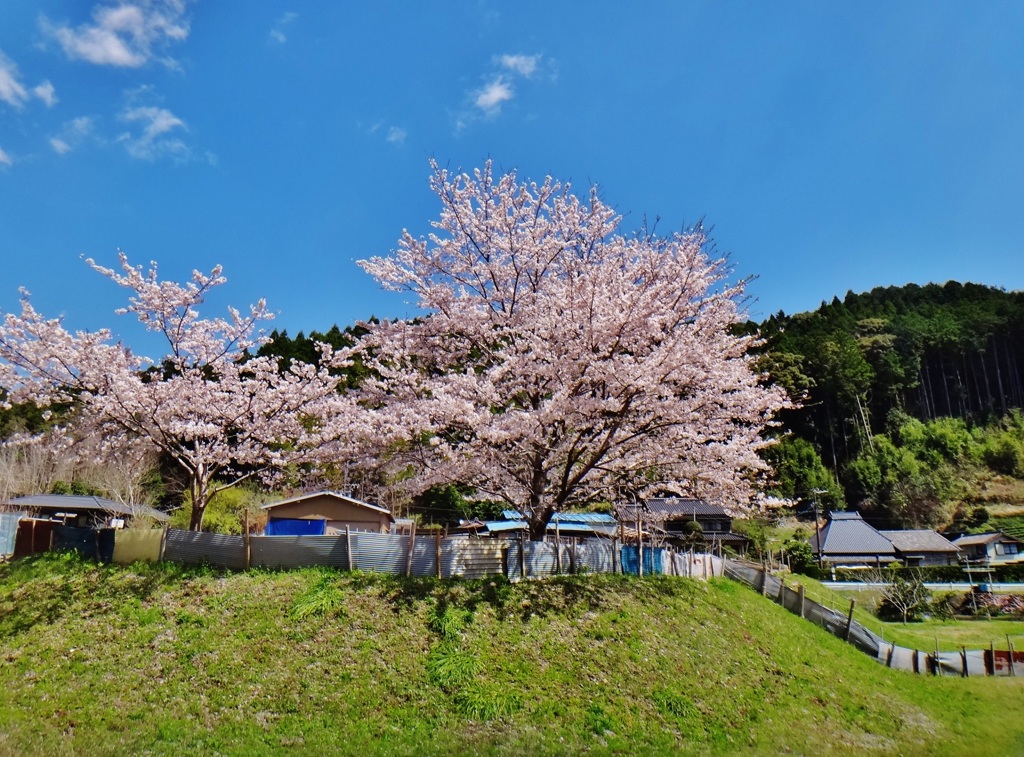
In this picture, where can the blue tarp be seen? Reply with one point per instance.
(652, 560)
(295, 527)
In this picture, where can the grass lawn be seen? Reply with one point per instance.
(163, 660)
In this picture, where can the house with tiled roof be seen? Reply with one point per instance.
(920, 547)
(847, 539)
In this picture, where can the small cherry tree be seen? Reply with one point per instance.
(218, 413)
(561, 360)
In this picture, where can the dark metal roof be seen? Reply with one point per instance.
(919, 540)
(73, 503)
(848, 534)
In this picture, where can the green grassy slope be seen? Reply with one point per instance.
(162, 660)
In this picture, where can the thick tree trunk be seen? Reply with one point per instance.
(199, 487)
(196, 520)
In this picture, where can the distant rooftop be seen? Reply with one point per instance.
(75, 503)
(847, 534)
(919, 540)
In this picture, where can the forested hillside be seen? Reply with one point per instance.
(910, 399)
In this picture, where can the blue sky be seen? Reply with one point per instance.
(832, 146)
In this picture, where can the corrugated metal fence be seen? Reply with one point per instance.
(963, 663)
(420, 555)
(836, 623)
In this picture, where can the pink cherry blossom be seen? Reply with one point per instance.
(222, 416)
(563, 361)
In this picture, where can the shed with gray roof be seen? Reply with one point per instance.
(83, 510)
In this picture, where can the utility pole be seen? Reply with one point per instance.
(817, 532)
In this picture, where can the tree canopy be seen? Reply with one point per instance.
(211, 412)
(562, 360)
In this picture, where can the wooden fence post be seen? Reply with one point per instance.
(800, 594)
(963, 658)
(990, 663)
(1009, 646)
(888, 656)
(412, 546)
(558, 549)
(782, 591)
(437, 552)
(348, 545)
(522, 555)
(639, 546)
(163, 544)
(245, 536)
(849, 625)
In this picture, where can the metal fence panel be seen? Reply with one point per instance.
(84, 541)
(196, 548)
(380, 553)
(595, 556)
(538, 556)
(472, 558)
(298, 551)
(541, 559)
(8, 532)
(652, 560)
(137, 545)
(424, 555)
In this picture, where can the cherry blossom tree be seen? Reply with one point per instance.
(222, 415)
(562, 361)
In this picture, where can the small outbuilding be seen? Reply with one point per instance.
(326, 513)
(83, 511)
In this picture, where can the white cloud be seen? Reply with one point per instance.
(500, 86)
(129, 34)
(5, 159)
(277, 34)
(154, 141)
(46, 93)
(12, 91)
(72, 134)
(81, 125)
(396, 135)
(490, 98)
(524, 65)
